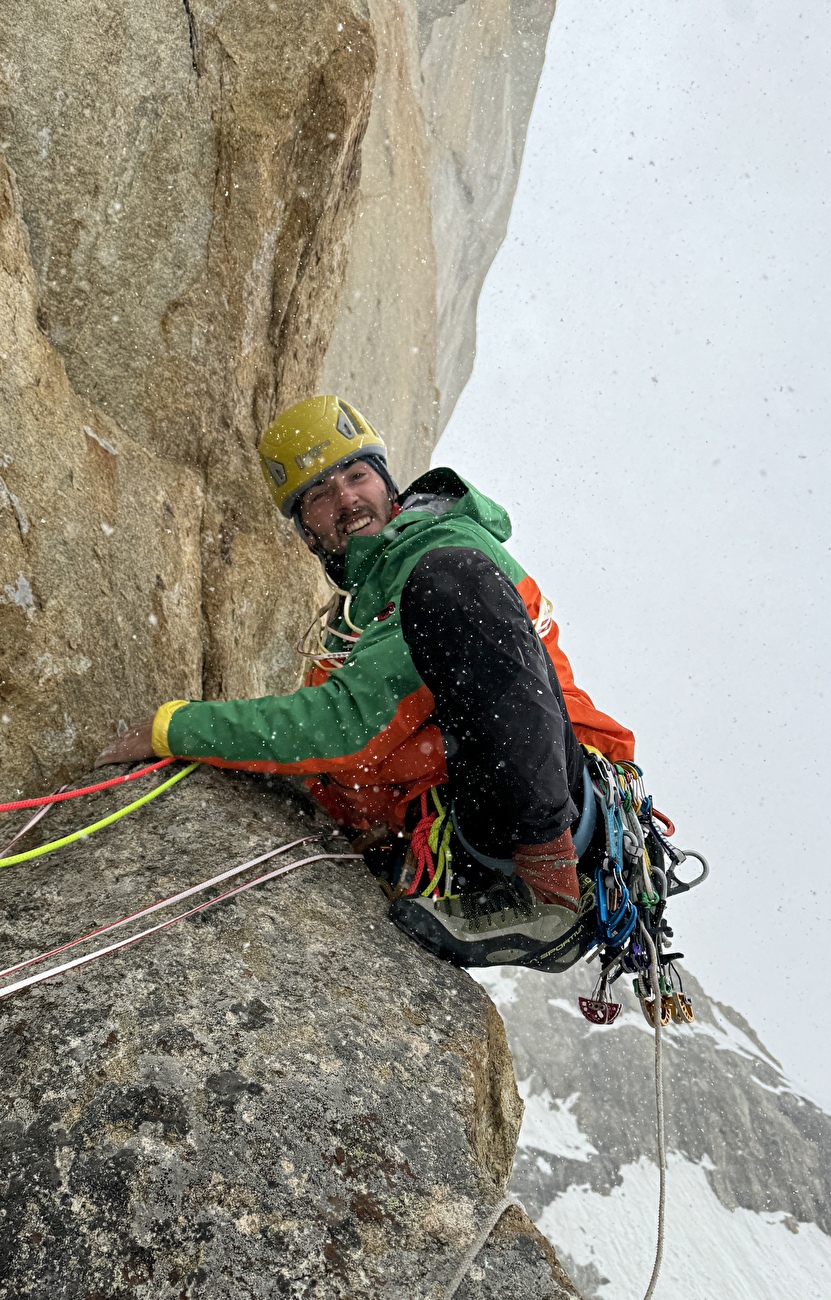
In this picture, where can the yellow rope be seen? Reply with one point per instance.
(441, 847)
(98, 826)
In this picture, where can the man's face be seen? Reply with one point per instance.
(350, 502)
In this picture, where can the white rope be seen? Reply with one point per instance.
(154, 907)
(477, 1244)
(659, 1107)
(154, 929)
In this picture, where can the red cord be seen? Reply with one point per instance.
(88, 789)
(421, 848)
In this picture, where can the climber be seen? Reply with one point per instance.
(439, 707)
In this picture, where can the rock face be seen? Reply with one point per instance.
(100, 580)
(453, 93)
(749, 1183)
(280, 1097)
(180, 264)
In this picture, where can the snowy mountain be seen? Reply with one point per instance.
(749, 1179)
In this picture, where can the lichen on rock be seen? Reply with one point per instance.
(280, 1096)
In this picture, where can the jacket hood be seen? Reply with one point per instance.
(470, 504)
(461, 504)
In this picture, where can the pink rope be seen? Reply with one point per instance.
(88, 789)
(163, 925)
(154, 907)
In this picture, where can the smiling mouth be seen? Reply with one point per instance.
(355, 525)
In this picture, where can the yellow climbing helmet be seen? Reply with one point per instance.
(309, 440)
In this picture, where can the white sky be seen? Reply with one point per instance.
(650, 403)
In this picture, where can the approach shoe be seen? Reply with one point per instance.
(501, 925)
(580, 936)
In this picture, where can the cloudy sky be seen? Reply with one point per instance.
(650, 401)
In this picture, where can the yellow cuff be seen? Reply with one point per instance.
(161, 722)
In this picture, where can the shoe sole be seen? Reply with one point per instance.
(418, 922)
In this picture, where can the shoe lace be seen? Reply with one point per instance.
(500, 897)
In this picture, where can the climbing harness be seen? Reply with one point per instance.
(99, 825)
(30, 980)
(65, 793)
(637, 876)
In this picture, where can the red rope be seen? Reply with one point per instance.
(88, 789)
(420, 847)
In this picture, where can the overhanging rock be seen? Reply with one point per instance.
(280, 1097)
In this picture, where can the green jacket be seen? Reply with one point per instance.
(361, 727)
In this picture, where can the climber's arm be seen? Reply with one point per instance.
(362, 712)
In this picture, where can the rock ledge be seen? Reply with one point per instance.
(280, 1097)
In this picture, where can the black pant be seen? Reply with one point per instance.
(514, 763)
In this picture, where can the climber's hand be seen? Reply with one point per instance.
(134, 744)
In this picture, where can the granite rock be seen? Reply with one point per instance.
(453, 93)
(279, 1096)
(100, 572)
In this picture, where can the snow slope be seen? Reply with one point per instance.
(749, 1180)
(608, 1242)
